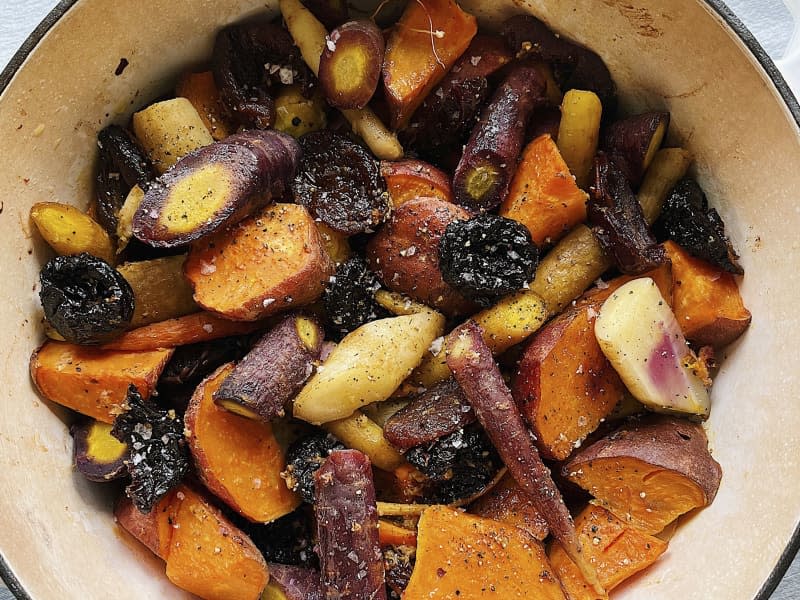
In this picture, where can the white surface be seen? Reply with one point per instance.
(770, 20)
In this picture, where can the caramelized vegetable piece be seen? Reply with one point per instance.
(285, 265)
(707, 302)
(632, 143)
(579, 133)
(361, 433)
(418, 57)
(507, 503)
(216, 185)
(94, 382)
(463, 556)
(238, 459)
(411, 179)
(125, 216)
(153, 529)
(543, 195)
(273, 371)
(484, 173)
(201, 90)
(617, 550)
(70, 231)
(97, 454)
(649, 472)
(478, 375)
(350, 65)
(295, 583)
(618, 221)
(332, 13)
(391, 534)
(350, 555)
(666, 170)
(297, 115)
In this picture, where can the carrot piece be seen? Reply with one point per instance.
(190, 329)
(391, 534)
(262, 265)
(418, 56)
(153, 529)
(201, 90)
(507, 503)
(617, 550)
(543, 195)
(93, 381)
(706, 302)
(209, 556)
(410, 179)
(237, 458)
(463, 556)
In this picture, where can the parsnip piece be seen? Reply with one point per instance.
(125, 219)
(367, 366)
(579, 132)
(71, 231)
(667, 168)
(361, 433)
(159, 289)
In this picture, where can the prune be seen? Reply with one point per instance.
(288, 541)
(349, 298)
(487, 256)
(398, 563)
(304, 457)
(159, 458)
(459, 465)
(85, 299)
(687, 219)
(340, 183)
(618, 222)
(332, 13)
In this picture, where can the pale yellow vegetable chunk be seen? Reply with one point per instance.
(71, 231)
(125, 221)
(579, 132)
(361, 433)
(667, 169)
(159, 289)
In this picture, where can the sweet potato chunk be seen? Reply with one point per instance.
(649, 473)
(543, 195)
(417, 57)
(706, 300)
(153, 529)
(237, 458)
(92, 381)
(463, 556)
(271, 261)
(410, 179)
(507, 503)
(201, 90)
(565, 386)
(617, 550)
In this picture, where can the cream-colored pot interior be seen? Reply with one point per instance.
(56, 530)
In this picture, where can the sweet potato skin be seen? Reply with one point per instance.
(153, 529)
(507, 503)
(409, 179)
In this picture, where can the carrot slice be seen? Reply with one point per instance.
(410, 179)
(390, 534)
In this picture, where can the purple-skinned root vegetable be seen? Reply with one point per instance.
(350, 65)
(295, 583)
(633, 142)
(97, 454)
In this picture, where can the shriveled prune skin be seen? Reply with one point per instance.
(618, 222)
(304, 457)
(288, 540)
(159, 458)
(687, 219)
(340, 183)
(398, 563)
(460, 464)
(349, 298)
(487, 256)
(85, 299)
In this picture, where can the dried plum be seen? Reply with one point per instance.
(349, 298)
(398, 563)
(159, 458)
(687, 219)
(487, 256)
(340, 183)
(304, 457)
(459, 465)
(288, 540)
(85, 299)
(618, 222)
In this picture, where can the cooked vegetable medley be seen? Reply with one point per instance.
(376, 311)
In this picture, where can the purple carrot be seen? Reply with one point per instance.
(297, 583)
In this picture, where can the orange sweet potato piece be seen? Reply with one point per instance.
(391, 534)
(264, 264)
(92, 381)
(706, 301)
(463, 556)
(209, 556)
(418, 57)
(507, 503)
(650, 472)
(237, 458)
(617, 550)
(410, 179)
(662, 275)
(543, 195)
(565, 385)
(153, 529)
(190, 329)
(201, 90)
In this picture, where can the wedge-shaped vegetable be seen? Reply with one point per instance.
(347, 528)
(170, 130)
(361, 433)
(209, 556)
(216, 185)
(565, 386)
(273, 371)
(159, 289)
(94, 382)
(638, 333)
(507, 503)
(391, 534)
(633, 142)
(543, 195)
(418, 56)
(285, 265)
(153, 529)
(201, 90)
(70, 231)
(350, 65)
(707, 302)
(650, 472)
(463, 556)
(579, 133)
(617, 549)
(666, 170)
(595, 296)
(97, 454)
(335, 244)
(380, 412)
(297, 115)
(288, 582)
(410, 179)
(237, 458)
(367, 366)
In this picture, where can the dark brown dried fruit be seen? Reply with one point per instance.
(288, 540)
(304, 457)
(398, 561)
(349, 298)
(332, 13)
